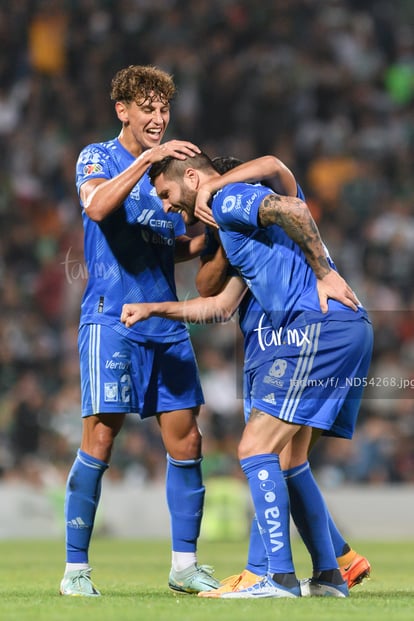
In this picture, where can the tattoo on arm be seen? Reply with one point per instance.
(255, 413)
(294, 217)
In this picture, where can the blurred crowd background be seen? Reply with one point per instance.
(326, 85)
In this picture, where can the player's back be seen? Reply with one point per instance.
(270, 262)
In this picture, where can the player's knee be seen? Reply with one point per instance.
(99, 444)
(247, 448)
(187, 447)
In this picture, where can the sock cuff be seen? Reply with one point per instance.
(293, 472)
(183, 463)
(249, 463)
(92, 462)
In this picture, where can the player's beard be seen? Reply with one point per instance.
(186, 204)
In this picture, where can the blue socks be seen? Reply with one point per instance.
(300, 481)
(257, 557)
(83, 490)
(310, 514)
(185, 499)
(271, 501)
(338, 541)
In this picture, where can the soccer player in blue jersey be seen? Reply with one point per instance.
(308, 388)
(130, 246)
(213, 278)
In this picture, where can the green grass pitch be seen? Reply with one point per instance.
(132, 576)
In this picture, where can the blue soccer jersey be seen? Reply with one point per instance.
(264, 255)
(292, 370)
(130, 254)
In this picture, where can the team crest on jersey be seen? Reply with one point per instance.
(90, 169)
(111, 392)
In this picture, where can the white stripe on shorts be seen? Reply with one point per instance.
(300, 377)
(94, 369)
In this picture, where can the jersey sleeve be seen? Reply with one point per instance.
(93, 163)
(299, 192)
(211, 244)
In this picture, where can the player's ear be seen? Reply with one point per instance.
(121, 111)
(191, 174)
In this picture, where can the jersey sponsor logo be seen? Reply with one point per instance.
(111, 392)
(90, 169)
(118, 364)
(249, 203)
(161, 224)
(145, 216)
(155, 239)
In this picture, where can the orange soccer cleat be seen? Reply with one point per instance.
(354, 568)
(237, 582)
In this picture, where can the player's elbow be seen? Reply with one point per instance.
(95, 213)
(273, 161)
(204, 289)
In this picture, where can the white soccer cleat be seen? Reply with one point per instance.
(78, 583)
(266, 587)
(317, 588)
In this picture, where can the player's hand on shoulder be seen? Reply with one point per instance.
(132, 313)
(202, 209)
(173, 148)
(333, 286)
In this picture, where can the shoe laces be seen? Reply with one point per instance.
(83, 573)
(207, 569)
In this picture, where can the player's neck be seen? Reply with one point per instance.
(129, 143)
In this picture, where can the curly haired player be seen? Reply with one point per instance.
(130, 247)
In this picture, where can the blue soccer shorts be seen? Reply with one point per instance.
(122, 375)
(319, 384)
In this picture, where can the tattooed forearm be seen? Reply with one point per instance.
(294, 217)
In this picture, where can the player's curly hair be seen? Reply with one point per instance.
(141, 82)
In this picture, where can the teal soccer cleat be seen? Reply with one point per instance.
(78, 583)
(193, 580)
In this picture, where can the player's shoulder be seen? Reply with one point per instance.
(238, 202)
(96, 159)
(100, 149)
